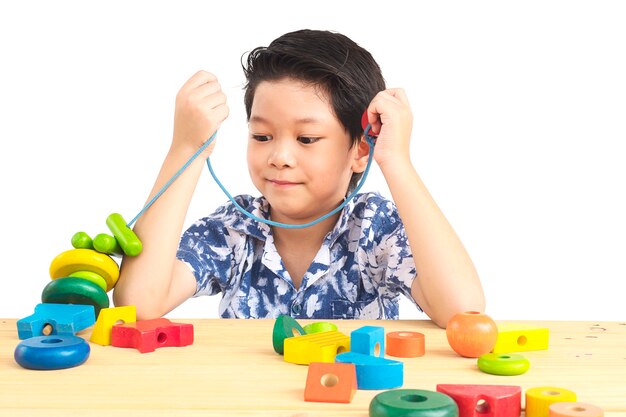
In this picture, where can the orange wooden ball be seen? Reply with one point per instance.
(471, 333)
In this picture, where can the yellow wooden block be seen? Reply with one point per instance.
(108, 317)
(539, 399)
(520, 338)
(316, 347)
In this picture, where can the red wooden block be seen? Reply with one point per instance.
(330, 382)
(147, 335)
(485, 400)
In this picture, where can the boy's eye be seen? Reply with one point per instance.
(261, 138)
(307, 140)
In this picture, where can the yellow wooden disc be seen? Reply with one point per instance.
(75, 260)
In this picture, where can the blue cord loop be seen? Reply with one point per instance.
(371, 140)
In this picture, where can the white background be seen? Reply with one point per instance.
(520, 123)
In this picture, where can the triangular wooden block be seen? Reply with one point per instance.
(330, 382)
(485, 400)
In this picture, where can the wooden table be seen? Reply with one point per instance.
(232, 370)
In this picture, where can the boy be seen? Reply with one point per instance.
(304, 98)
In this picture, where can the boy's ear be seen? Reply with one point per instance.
(361, 152)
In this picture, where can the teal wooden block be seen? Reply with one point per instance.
(373, 372)
(368, 340)
(63, 319)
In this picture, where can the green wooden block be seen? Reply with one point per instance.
(285, 327)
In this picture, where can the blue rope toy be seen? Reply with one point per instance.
(371, 140)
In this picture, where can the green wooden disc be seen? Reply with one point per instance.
(284, 327)
(503, 364)
(72, 290)
(320, 326)
(91, 276)
(413, 403)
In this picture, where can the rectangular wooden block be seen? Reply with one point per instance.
(316, 347)
(521, 338)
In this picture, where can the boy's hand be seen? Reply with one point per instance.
(390, 115)
(200, 109)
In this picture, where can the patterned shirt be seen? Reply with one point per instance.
(362, 268)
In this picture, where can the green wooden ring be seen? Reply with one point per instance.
(81, 240)
(284, 327)
(413, 403)
(507, 364)
(91, 276)
(320, 326)
(72, 290)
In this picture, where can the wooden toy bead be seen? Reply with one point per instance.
(405, 344)
(51, 352)
(91, 276)
(316, 347)
(284, 327)
(412, 403)
(373, 372)
(520, 338)
(107, 244)
(330, 382)
(71, 290)
(127, 239)
(485, 400)
(320, 326)
(148, 335)
(81, 240)
(503, 364)
(75, 260)
(471, 334)
(109, 317)
(368, 340)
(574, 409)
(56, 319)
(539, 399)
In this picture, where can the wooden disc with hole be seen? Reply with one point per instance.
(71, 290)
(413, 403)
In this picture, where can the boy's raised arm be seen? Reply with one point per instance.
(155, 281)
(447, 282)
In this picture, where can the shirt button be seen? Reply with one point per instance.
(296, 308)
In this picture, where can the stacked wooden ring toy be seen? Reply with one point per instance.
(85, 274)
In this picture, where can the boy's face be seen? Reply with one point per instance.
(299, 155)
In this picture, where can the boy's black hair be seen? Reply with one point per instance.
(341, 68)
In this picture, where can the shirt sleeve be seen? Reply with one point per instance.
(207, 249)
(394, 253)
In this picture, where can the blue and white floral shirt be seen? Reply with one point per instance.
(362, 268)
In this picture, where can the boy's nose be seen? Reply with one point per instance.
(282, 155)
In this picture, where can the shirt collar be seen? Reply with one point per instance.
(259, 207)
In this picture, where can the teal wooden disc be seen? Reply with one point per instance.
(413, 403)
(72, 290)
(507, 364)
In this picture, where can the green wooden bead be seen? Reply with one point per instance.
(71, 290)
(127, 239)
(107, 244)
(81, 240)
(413, 403)
(284, 327)
(503, 364)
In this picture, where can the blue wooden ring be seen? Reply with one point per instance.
(507, 364)
(51, 352)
